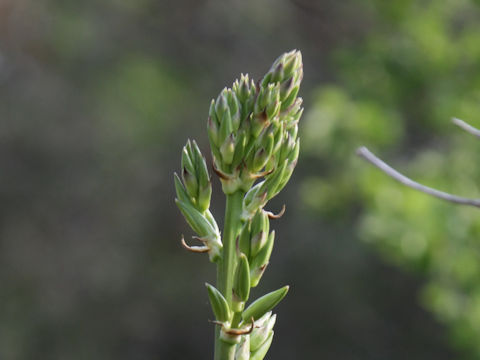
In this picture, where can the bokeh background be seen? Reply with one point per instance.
(97, 99)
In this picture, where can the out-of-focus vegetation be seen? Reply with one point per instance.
(96, 101)
(399, 87)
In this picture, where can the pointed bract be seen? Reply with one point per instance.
(241, 287)
(260, 261)
(219, 304)
(264, 304)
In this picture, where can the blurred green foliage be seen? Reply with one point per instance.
(397, 90)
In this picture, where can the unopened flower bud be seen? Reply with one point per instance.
(242, 351)
(268, 95)
(228, 150)
(221, 105)
(287, 147)
(277, 138)
(287, 71)
(213, 132)
(245, 90)
(293, 62)
(273, 181)
(262, 330)
(260, 159)
(196, 180)
(289, 169)
(273, 109)
(187, 161)
(289, 96)
(292, 116)
(293, 131)
(254, 199)
(197, 220)
(258, 122)
(226, 128)
(241, 285)
(191, 183)
(259, 263)
(264, 304)
(287, 65)
(204, 196)
(260, 353)
(259, 232)
(278, 73)
(286, 88)
(219, 304)
(242, 88)
(240, 144)
(234, 108)
(293, 156)
(244, 239)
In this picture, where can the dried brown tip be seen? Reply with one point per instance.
(261, 174)
(219, 323)
(194, 249)
(276, 216)
(219, 173)
(240, 331)
(201, 239)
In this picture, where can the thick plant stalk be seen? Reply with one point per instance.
(226, 266)
(252, 131)
(231, 229)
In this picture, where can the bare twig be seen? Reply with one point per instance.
(467, 127)
(370, 157)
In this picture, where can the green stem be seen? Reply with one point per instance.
(225, 351)
(231, 228)
(237, 318)
(226, 266)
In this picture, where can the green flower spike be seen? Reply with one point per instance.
(253, 136)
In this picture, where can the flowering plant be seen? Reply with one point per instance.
(252, 129)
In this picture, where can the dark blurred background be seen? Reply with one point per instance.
(97, 99)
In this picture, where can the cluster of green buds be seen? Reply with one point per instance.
(193, 199)
(252, 130)
(256, 345)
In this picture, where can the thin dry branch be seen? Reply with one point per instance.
(467, 127)
(387, 169)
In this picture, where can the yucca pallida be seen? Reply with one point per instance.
(252, 129)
